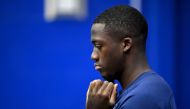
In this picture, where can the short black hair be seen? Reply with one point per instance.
(124, 21)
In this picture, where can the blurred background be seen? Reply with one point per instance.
(45, 49)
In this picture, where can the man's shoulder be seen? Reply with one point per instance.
(152, 86)
(148, 91)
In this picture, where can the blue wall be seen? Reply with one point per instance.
(47, 65)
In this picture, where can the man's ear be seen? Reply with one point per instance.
(127, 43)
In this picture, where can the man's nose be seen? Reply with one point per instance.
(94, 55)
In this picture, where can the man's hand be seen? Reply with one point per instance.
(101, 95)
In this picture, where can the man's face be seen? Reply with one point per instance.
(107, 53)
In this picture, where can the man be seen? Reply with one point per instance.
(119, 38)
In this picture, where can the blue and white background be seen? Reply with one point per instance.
(46, 65)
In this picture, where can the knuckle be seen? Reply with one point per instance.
(91, 82)
(99, 81)
(100, 95)
(105, 94)
(110, 83)
(105, 82)
(94, 81)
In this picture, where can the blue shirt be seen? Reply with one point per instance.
(148, 91)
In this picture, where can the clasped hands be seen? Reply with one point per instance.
(101, 95)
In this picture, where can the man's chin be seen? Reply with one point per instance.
(108, 78)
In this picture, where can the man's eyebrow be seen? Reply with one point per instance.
(96, 41)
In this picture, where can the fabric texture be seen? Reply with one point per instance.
(148, 91)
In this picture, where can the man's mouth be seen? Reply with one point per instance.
(97, 67)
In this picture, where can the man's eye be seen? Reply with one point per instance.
(98, 46)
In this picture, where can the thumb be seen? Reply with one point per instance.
(113, 95)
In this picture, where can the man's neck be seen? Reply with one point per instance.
(135, 66)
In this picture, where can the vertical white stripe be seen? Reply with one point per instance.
(50, 10)
(136, 4)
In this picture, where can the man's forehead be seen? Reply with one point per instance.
(97, 28)
(98, 34)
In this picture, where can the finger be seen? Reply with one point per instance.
(91, 86)
(113, 95)
(89, 90)
(98, 84)
(109, 89)
(103, 87)
(94, 84)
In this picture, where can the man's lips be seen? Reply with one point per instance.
(97, 67)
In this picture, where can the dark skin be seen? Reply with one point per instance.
(116, 60)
